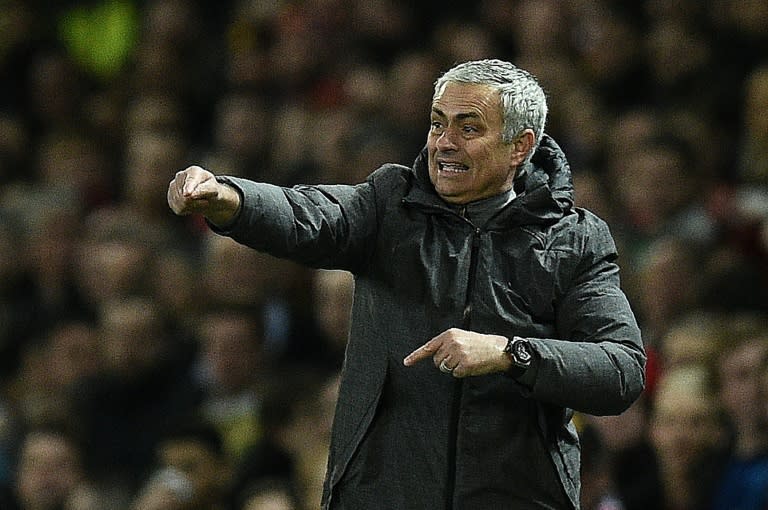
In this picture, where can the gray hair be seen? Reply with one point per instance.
(522, 98)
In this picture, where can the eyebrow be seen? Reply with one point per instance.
(459, 116)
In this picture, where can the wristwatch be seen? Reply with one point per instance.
(519, 352)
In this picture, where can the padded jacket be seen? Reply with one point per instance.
(542, 269)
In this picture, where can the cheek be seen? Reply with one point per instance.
(492, 157)
(432, 174)
(432, 169)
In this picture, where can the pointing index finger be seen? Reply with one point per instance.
(423, 352)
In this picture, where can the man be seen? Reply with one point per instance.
(476, 259)
(50, 474)
(193, 471)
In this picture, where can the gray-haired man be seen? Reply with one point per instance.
(475, 258)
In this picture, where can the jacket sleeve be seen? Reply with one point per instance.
(598, 364)
(326, 226)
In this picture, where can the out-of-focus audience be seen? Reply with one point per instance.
(192, 471)
(170, 391)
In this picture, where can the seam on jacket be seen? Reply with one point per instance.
(541, 238)
(553, 446)
(357, 438)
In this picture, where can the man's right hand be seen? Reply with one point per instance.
(196, 190)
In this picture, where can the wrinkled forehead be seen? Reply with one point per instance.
(466, 100)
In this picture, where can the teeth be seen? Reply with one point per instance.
(452, 167)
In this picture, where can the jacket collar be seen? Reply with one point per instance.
(544, 189)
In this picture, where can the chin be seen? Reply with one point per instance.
(452, 199)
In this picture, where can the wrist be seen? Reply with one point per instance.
(504, 360)
(226, 207)
(523, 361)
(519, 352)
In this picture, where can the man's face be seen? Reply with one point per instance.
(198, 463)
(468, 159)
(49, 470)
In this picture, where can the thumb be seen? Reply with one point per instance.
(208, 188)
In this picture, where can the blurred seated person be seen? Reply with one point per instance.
(50, 474)
(192, 471)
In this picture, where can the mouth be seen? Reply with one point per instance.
(452, 168)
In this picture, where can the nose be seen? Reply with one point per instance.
(445, 142)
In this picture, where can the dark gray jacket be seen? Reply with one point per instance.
(414, 438)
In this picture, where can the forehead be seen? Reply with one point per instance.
(458, 98)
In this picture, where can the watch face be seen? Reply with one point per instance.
(522, 351)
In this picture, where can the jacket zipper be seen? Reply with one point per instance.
(453, 431)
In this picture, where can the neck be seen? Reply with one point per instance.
(480, 211)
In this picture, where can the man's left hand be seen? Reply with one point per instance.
(463, 353)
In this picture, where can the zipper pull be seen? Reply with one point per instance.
(465, 315)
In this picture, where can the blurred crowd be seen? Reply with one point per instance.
(146, 364)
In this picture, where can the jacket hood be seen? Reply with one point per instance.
(544, 187)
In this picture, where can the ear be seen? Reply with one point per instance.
(523, 145)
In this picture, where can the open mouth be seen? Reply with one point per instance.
(455, 168)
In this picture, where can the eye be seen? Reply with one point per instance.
(469, 129)
(436, 127)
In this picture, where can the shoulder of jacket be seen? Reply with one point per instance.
(580, 231)
(389, 172)
(390, 177)
(597, 240)
(589, 220)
